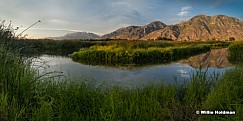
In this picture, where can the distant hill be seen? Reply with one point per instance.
(76, 35)
(200, 27)
(134, 32)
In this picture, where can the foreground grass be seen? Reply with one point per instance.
(17, 85)
(227, 95)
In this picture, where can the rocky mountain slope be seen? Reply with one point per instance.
(76, 35)
(200, 27)
(134, 32)
(170, 32)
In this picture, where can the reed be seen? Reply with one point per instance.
(227, 96)
(235, 52)
(130, 55)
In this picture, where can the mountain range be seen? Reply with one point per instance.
(200, 27)
(76, 35)
(135, 32)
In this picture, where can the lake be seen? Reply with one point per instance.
(131, 75)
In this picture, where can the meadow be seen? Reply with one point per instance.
(25, 95)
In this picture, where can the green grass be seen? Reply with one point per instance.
(142, 52)
(121, 54)
(236, 53)
(17, 84)
(227, 95)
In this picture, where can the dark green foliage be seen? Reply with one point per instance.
(57, 47)
(17, 79)
(7, 37)
(163, 38)
(17, 82)
(236, 52)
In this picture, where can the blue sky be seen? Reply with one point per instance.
(103, 16)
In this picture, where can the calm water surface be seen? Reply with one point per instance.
(126, 76)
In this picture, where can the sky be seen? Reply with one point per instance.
(59, 17)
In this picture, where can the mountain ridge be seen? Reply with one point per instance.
(76, 35)
(199, 27)
(134, 32)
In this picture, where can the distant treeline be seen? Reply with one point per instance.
(65, 47)
(61, 47)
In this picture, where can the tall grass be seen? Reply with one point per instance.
(17, 79)
(70, 100)
(128, 55)
(236, 53)
(17, 85)
(227, 95)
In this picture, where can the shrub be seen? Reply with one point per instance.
(231, 39)
(236, 52)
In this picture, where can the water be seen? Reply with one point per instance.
(130, 76)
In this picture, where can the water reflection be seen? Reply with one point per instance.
(134, 75)
(217, 58)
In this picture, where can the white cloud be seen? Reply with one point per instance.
(59, 22)
(121, 3)
(184, 11)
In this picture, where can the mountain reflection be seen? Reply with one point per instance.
(216, 58)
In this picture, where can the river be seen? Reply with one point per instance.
(130, 76)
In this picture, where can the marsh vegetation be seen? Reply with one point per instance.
(136, 52)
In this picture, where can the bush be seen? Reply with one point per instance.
(231, 39)
(17, 79)
(236, 52)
